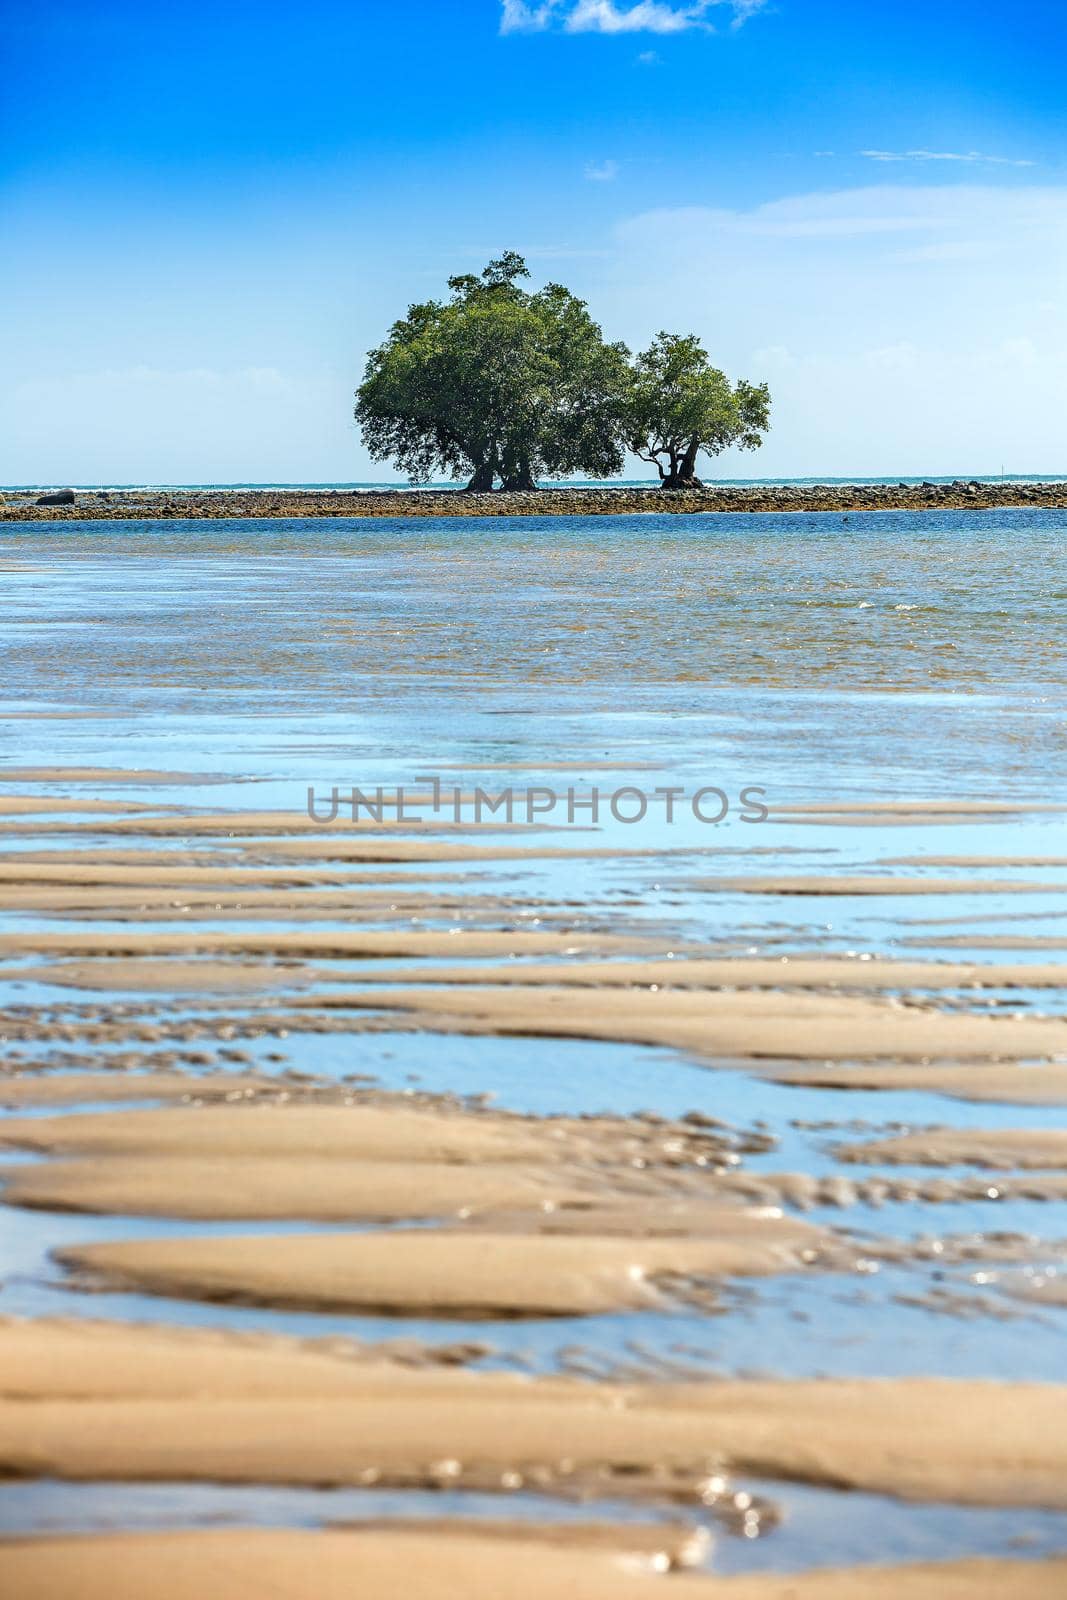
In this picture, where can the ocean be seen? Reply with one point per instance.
(375, 486)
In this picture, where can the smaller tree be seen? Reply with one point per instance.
(680, 404)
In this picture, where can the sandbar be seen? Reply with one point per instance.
(353, 943)
(994, 1084)
(873, 885)
(1002, 1148)
(196, 977)
(437, 1273)
(15, 805)
(254, 1188)
(184, 1405)
(379, 1564)
(112, 775)
(726, 1026)
(86, 1088)
(749, 972)
(318, 1132)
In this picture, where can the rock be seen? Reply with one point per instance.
(64, 497)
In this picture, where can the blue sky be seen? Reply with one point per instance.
(210, 211)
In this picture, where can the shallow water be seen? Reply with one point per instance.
(812, 1530)
(824, 658)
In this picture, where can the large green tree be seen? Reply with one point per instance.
(496, 383)
(680, 405)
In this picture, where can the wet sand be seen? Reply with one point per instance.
(22, 805)
(827, 885)
(734, 1026)
(468, 1276)
(379, 1565)
(997, 1085)
(748, 972)
(351, 943)
(948, 1147)
(247, 1144)
(109, 1411)
(80, 1088)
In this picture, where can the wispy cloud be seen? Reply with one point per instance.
(650, 58)
(924, 302)
(972, 157)
(602, 171)
(518, 17)
(616, 16)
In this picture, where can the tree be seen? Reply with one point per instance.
(496, 382)
(680, 404)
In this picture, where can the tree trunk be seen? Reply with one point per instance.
(481, 479)
(683, 473)
(516, 473)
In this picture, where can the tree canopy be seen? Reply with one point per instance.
(680, 404)
(496, 382)
(499, 382)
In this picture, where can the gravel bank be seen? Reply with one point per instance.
(551, 502)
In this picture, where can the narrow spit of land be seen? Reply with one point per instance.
(548, 502)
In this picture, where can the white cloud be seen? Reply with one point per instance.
(648, 16)
(902, 329)
(968, 156)
(610, 16)
(650, 58)
(518, 17)
(602, 171)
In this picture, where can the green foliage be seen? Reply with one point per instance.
(496, 383)
(680, 404)
(499, 382)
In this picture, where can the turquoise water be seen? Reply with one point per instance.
(371, 484)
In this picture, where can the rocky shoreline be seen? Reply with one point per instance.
(551, 502)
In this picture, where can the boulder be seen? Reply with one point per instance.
(63, 497)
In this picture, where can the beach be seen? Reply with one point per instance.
(534, 1058)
